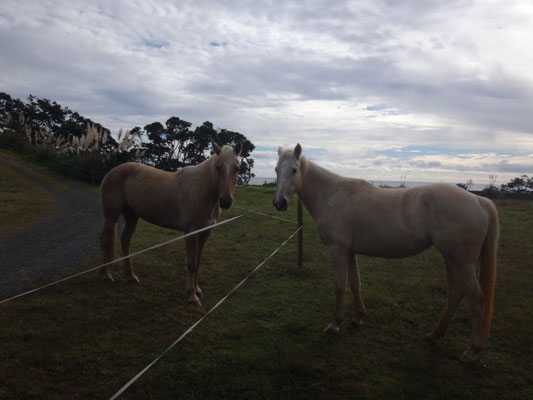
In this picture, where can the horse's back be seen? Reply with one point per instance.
(402, 222)
(456, 219)
(133, 184)
(116, 181)
(387, 222)
(167, 199)
(369, 220)
(112, 187)
(448, 203)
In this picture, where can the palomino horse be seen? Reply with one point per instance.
(355, 217)
(186, 200)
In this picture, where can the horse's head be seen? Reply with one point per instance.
(226, 168)
(289, 178)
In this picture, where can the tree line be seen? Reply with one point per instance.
(520, 187)
(56, 134)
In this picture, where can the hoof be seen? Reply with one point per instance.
(429, 338)
(107, 278)
(133, 279)
(332, 328)
(468, 356)
(356, 323)
(200, 294)
(196, 303)
(432, 337)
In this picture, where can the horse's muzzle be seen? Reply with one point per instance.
(225, 203)
(280, 205)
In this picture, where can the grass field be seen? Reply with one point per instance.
(23, 201)
(85, 338)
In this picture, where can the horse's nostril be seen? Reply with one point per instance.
(281, 205)
(226, 203)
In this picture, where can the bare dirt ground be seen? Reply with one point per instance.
(39, 252)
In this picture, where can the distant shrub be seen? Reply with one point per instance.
(87, 157)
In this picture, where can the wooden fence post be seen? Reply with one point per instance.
(300, 236)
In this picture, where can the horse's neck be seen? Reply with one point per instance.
(206, 189)
(317, 182)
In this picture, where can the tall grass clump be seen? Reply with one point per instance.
(91, 156)
(87, 157)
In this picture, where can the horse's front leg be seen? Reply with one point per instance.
(355, 285)
(191, 244)
(202, 238)
(339, 257)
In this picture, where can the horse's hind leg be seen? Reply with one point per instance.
(339, 256)
(355, 285)
(462, 282)
(454, 298)
(131, 220)
(476, 298)
(107, 245)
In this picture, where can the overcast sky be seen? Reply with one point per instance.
(433, 90)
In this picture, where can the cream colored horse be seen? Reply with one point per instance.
(186, 200)
(355, 217)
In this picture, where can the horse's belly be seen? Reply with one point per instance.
(179, 221)
(164, 222)
(394, 246)
(160, 213)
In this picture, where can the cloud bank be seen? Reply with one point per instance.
(437, 91)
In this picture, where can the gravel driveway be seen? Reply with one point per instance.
(40, 251)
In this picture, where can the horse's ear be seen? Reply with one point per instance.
(280, 150)
(298, 151)
(238, 148)
(216, 147)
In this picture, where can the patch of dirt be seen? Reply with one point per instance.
(40, 251)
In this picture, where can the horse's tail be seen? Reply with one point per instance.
(488, 261)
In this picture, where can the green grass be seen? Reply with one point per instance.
(58, 182)
(85, 338)
(23, 201)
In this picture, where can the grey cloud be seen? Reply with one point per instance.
(512, 168)
(243, 65)
(424, 164)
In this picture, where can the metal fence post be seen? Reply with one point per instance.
(300, 236)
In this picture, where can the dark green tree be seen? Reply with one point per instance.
(196, 148)
(179, 133)
(43, 114)
(520, 184)
(247, 163)
(155, 148)
(169, 147)
(10, 106)
(174, 145)
(166, 146)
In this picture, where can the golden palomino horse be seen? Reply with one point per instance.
(186, 200)
(355, 217)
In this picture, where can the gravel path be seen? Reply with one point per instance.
(39, 252)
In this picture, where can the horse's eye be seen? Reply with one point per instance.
(294, 170)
